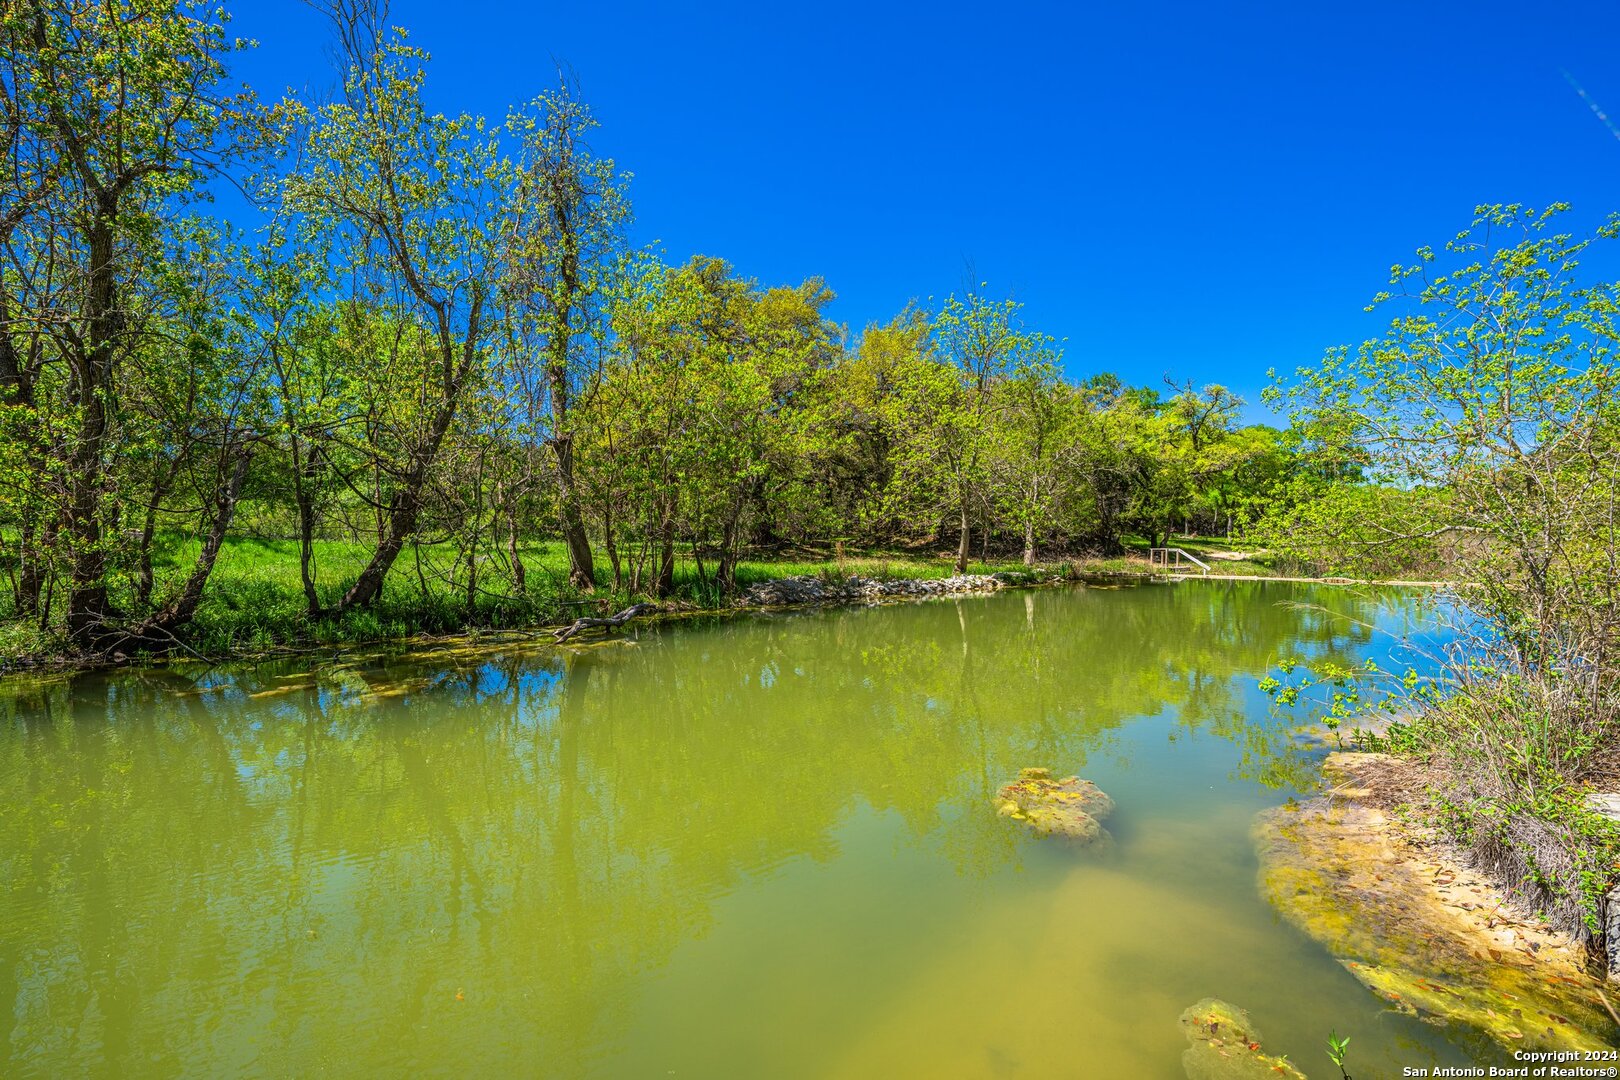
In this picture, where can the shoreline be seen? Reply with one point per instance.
(773, 594)
(894, 589)
(1315, 581)
(1406, 913)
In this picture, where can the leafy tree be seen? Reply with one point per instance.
(692, 405)
(986, 342)
(565, 237)
(1032, 439)
(114, 117)
(295, 337)
(404, 205)
(1485, 425)
(1185, 445)
(928, 424)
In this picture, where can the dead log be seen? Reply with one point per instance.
(608, 623)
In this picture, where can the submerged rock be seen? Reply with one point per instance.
(1224, 1045)
(1071, 808)
(1425, 934)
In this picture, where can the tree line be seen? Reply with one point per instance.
(434, 330)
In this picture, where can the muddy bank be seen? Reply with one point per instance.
(1395, 905)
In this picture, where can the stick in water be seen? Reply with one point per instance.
(612, 621)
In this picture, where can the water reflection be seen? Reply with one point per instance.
(484, 859)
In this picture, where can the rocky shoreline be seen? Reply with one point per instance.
(788, 592)
(809, 590)
(1401, 910)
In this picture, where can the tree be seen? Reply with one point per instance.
(986, 341)
(926, 423)
(1032, 432)
(1486, 426)
(1491, 400)
(405, 205)
(1185, 445)
(565, 241)
(114, 117)
(691, 415)
(295, 338)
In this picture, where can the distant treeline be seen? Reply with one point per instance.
(436, 330)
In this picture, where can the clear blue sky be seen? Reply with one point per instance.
(1206, 189)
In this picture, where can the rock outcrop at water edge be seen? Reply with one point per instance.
(792, 591)
(1416, 927)
(1071, 808)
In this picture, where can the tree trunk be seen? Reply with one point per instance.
(638, 568)
(158, 632)
(520, 577)
(581, 564)
(725, 574)
(609, 623)
(26, 594)
(697, 561)
(89, 373)
(17, 391)
(184, 606)
(666, 557)
(612, 546)
(399, 521)
(143, 560)
(581, 567)
(963, 539)
(304, 474)
(1029, 543)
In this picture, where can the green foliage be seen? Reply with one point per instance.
(1480, 433)
(1336, 1047)
(438, 342)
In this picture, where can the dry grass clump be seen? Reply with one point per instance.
(1514, 751)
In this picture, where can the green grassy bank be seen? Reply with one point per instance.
(255, 603)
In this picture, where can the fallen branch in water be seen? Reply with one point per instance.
(608, 623)
(1605, 999)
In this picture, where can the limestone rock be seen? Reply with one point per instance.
(1070, 808)
(1224, 1045)
(1424, 933)
(798, 591)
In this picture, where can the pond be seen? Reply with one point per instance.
(759, 845)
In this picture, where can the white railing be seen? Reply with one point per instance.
(1173, 558)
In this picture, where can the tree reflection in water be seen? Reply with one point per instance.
(294, 866)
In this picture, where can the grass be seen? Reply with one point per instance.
(255, 602)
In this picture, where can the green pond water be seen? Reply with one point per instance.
(753, 846)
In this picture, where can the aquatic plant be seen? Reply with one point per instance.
(1336, 1045)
